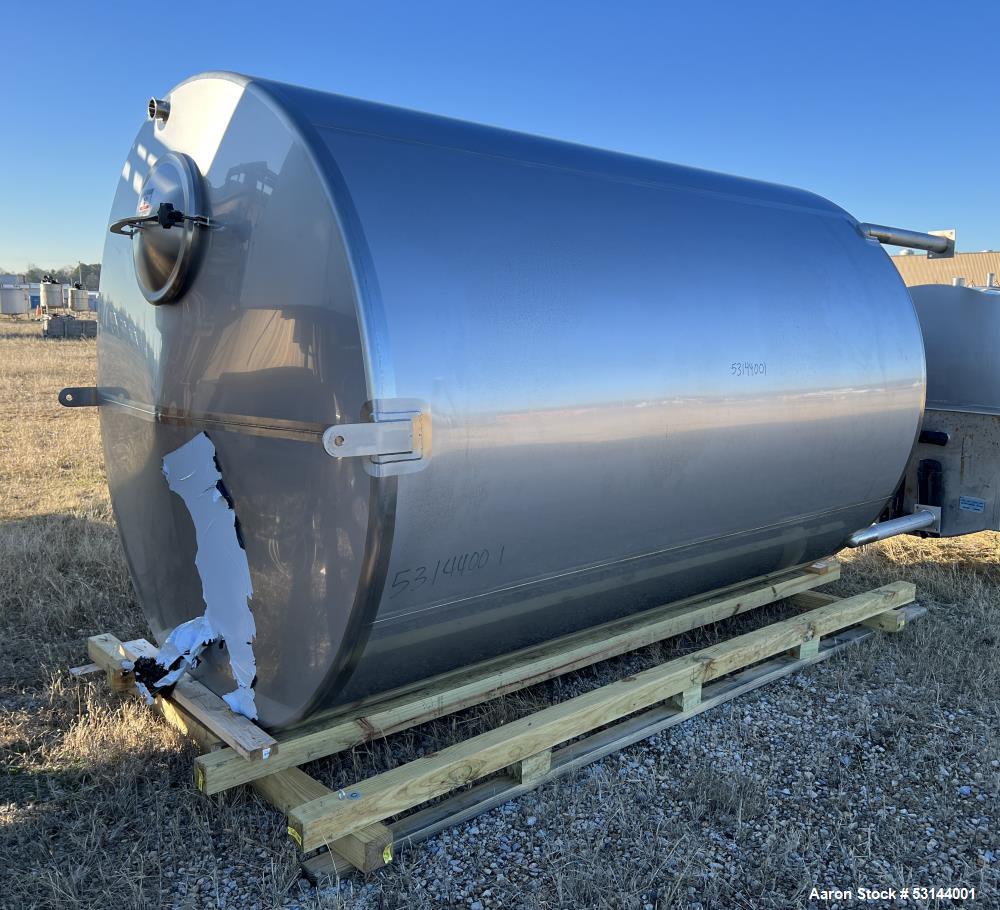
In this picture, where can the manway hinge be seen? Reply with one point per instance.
(394, 441)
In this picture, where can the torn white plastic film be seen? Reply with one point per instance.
(192, 473)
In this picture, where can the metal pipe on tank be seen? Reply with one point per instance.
(159, 109)
(882, 530)
(914, 240)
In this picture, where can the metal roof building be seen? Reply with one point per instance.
(973, 267)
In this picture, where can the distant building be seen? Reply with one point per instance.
(973, 268)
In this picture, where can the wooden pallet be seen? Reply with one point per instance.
(358, 827)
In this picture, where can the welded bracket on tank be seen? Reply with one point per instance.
(396, 440)
(89, 396)
(80, 397)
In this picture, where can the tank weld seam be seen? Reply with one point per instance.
(289, 429)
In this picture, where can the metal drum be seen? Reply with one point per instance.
(469, 389)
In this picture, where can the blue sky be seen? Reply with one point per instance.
(890, 110)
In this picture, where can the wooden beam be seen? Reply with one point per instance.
(402, 788)
(326, 864)
(454, 691)
(290, 788)
(183, 722)
(890, 621)
(463, 805)
(112, 652)
(106, 651)
(240, 733)
(368, 849)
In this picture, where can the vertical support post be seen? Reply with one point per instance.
(806, 650)
(532, 769)
(688, 699)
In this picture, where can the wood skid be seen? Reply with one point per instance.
(358, 827)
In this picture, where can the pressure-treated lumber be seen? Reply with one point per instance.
(287, 789)
(621, 713)
(806, 650)
(184, 723)
(689, 699)
(367, 849)
(460, 689)
(112, 652)
(241, 734)
(534, 768)
(471, 802)
(890, 621)
(322, 820)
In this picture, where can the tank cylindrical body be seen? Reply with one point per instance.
(51, 295)
(79, 300)
(14, 301)
(637, 381)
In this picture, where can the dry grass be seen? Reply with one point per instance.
(96, 807)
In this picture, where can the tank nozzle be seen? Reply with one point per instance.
(159, 109)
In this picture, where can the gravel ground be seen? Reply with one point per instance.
(880, 767)
(750, 805)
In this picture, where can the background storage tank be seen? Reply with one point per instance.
(541, 407)
(955, 467)
(51, 294)
(14, 301)
(79, 299)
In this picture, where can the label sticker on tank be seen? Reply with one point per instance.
(145, 203)
(971, 504)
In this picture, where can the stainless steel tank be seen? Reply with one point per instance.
(955, 467)
(14, 301)
(79, 300)
(556, 385)
(51, 295)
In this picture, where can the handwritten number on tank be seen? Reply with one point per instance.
(748, 368)
(415, 578)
